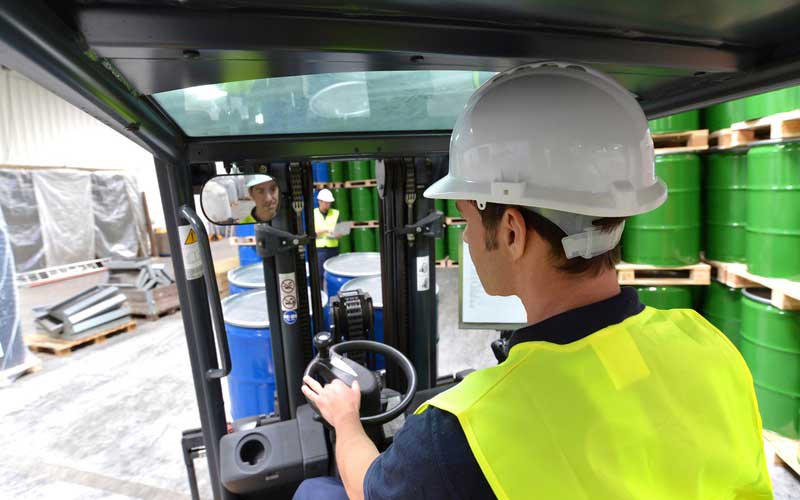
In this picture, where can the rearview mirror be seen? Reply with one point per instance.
(230, 200)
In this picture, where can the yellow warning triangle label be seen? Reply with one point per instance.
(190, 238)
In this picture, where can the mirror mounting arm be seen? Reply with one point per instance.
(271, 241)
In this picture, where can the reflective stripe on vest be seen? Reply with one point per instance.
(660, 406)
(326, 223)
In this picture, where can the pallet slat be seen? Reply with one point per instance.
(63, 347)
(328, 185)
(774, 127)
(32, 364)
(358, 184)
(643, 274)
(782, 450)
(681, 142)
(785, 294)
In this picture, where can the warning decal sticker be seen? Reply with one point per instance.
(288, 295)
(190, 249)
(191, 238)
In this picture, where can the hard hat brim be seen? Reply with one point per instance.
(626, 204)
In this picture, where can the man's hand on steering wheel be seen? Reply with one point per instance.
(337, 403)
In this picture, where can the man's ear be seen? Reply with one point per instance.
(514, 232)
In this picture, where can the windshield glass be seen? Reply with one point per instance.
(376, 101)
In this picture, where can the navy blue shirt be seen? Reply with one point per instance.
(430, 457)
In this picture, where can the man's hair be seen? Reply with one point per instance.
(552, 234)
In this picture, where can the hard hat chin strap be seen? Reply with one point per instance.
(583, 238)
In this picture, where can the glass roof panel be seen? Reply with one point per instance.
(376, 101)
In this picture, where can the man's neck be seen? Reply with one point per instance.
(563, 293)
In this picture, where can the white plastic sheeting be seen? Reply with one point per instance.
(12, 349)
(120, 228)
(64, 198)
(18, 206)
(217, 201)
(37, 128)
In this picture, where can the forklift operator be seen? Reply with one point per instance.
(263, 190)
(599, 397)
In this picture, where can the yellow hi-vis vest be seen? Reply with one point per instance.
(660, 406)
(322, 223)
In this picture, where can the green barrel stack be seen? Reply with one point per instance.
(773, 211)
(723, 308)
(725, 210)
(670, 234)
(770, 344)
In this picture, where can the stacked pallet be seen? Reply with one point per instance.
(87, 317)
(148, 286)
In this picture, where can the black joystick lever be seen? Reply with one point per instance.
(323, 342)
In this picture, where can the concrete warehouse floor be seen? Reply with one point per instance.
(106, 421)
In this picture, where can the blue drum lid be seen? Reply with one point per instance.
(371, 285)
(251, 276)
(249, 309)
(354, 264)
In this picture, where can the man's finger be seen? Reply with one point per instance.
(313, 384)
(355, 387)
(309, 393)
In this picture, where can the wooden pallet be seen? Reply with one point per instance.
(32, 364)
(643, 274)
(153, 304)
(782, 451)
(370, 223)
(442, 263)
(681, 142)
(328, 185)
(242, 240)
(773, 127)
(361, 184)
(729, 138)
(785, 294)
(63, 347)
(454, 220)
(221, 268)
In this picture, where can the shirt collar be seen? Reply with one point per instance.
(578, 323)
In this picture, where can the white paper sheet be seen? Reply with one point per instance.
(478, 309)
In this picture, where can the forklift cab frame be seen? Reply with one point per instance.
(108, 57)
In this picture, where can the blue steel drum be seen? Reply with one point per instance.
(342, 268)
(320, 171)
(251, 382)
(245, 278)
(247, 253)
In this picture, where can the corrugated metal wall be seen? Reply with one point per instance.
(38, 128)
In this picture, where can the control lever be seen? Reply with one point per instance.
(431, 226)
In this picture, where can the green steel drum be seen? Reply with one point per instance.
(770, 345)
(372, 174)
(725, 211)
(681, 122)
(375, 203)
(773, 211)
(441, 243)
(441, 249)
(666, 297)
(358, 170)
(723, 308)
(670, 234)
(454, 238)
(345, 244)
(452, 210)
(341, 202)
(364, 239)
(361, 203)
(720, 116)
(338, 171)
(769, 103)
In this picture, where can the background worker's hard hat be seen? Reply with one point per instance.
(325, 195)
(254, 180)
(556, 136)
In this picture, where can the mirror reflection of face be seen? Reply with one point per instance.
(266, 197)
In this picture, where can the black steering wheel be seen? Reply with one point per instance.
(330, 364)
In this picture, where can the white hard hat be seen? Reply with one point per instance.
(555, 136)
(254, 180)
(325, 195)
